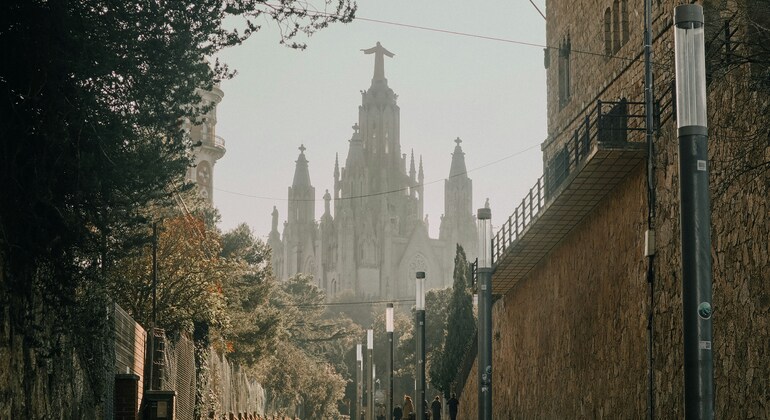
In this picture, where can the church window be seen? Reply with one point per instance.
(615, 26)
(624, 20)
(564, 72)
(607, 32)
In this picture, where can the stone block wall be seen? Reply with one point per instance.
(570, 340)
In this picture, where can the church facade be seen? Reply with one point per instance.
(372, 236)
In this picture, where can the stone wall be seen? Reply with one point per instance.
(570, 340)
(51, 367)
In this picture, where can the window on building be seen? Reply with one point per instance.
(624, 21)
(608, 32)
(615, 26)
(564, 71)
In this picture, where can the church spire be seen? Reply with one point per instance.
(420, 175)
(458, 162)
(412, 171)
(301, 172)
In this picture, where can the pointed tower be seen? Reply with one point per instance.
(378, 117)
(457, 223)
(300, 228)
(275, 244)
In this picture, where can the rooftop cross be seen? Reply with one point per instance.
(355, 127)
(302, 148)
(458, 141)
(379, 62)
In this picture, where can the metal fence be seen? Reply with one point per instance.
(609, 122)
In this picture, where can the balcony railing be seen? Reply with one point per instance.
(219, 142)
(609, 122)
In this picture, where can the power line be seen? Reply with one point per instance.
(457, 33)
(538, 9)
(390, 191)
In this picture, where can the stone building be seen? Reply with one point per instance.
(373, 235)
(571, 323)
(209, 147)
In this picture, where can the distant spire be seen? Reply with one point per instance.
(421, 176)
(379, 61)
(301, 172)
(275, 219)
(412, 171)
(356, 151)
(458, 167)
(336, 166)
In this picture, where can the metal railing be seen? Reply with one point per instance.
(219, 142)
(530, 207)
(609, 122)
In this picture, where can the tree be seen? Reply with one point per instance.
(94, 93)
(254, 322)
(311, 347)
(189, 282)
(461, 327)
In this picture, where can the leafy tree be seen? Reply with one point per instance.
(189, 282)
(311, 346)
(94, 92)
(254, 322)
(461, 327)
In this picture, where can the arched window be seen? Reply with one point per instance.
(624, 20)
(607, 32)
(615, 26)
(565, 50)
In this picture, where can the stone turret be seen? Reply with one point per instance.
(457, 223)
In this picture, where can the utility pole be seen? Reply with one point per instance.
(695, 211)
(370, 374)
(419, 334)
(484, 270)
(649, 239)
(359, 381)
(389, 330)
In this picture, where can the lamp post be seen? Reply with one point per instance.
(484, 271)
(389, 330)
(370, 374)
(695, 213)
(359, 379)
(419, 335)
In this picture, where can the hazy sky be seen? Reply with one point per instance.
(489, 93)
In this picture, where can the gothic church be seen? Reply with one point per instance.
(372, 238)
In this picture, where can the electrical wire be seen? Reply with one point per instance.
(538, 9)
(457, 33)
(390, 191)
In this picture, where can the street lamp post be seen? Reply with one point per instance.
(359, 379)
(695, 212)
(370, 374)
(484, 270)
(419, 354)
(389, 330)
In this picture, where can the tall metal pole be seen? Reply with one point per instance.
(650, 234)
(389, 329)
(359, 381)
(154, 301)
(370, 374)
(484, 270)
(695, 212)
(419, 329)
